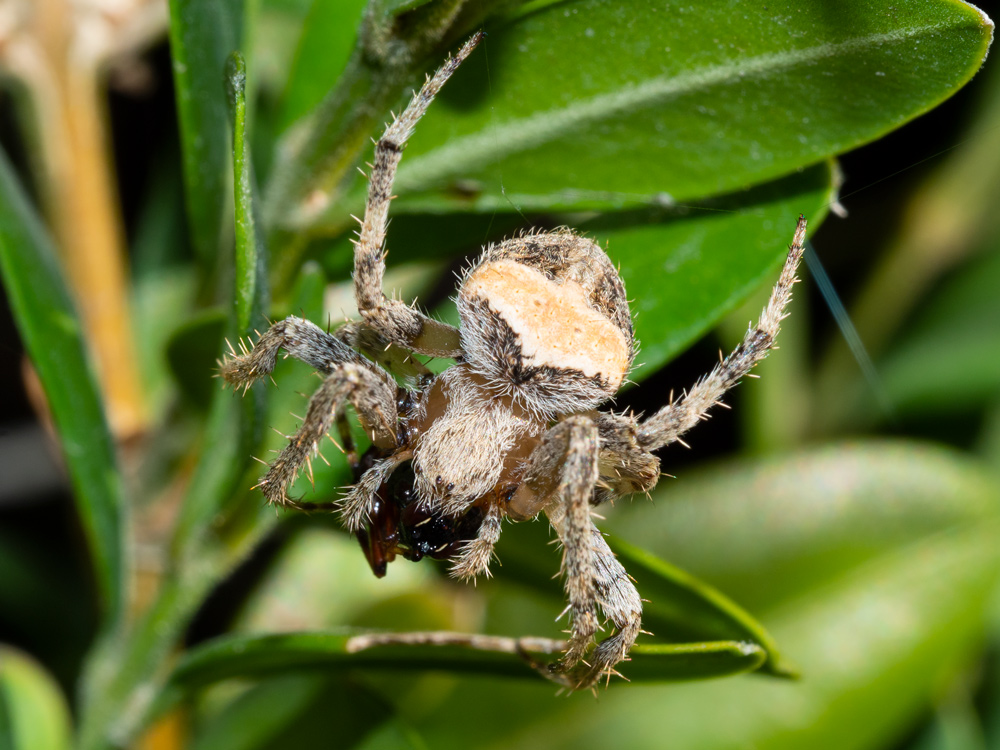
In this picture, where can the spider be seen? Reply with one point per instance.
(512, 429)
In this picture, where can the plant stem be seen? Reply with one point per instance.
(62, 75)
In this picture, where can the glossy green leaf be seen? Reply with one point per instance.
(255, 656)
(668, 662)
(54, 340)
(33, 711)
(686, 271)
(593, 104)
(202, 34)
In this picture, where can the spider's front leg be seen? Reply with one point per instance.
(372, 398)
(398, 321)
(564, 468)
(299, 338)
(673, 420)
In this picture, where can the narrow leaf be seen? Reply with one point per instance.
(54, 340)
(257, 656)
(201, 35)
(681, 608)
(235, 423)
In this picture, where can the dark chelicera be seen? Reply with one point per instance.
(398, 525)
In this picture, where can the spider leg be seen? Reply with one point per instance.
(474, 558)
(565, 467)
(397, 321)
(373, 400)
(357, 505)
(673, 420)
(388, 355)
(619, 601)
(299, 338)
(569, 452)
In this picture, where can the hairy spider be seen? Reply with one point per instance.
(512, 429)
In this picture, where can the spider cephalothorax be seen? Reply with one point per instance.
(512, 429)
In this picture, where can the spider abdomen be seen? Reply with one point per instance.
(545, 321)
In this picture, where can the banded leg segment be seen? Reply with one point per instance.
(673, 420)
(570, 451)
(398, 321)
(299, 338)
(373, 400)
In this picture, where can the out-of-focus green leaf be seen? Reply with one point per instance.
(328, 36)
(295, 711)
(950, 360)
(679, 607)
(874, 635)
(644, 104)
(54, 340)
(202, 34)
(33, 714)
(192, 351)
(298, 592)
(401, 6)
(784, 525)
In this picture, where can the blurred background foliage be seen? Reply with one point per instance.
(842, 522)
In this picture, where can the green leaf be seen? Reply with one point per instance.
(687, 270)
(838, 507)
(590, 104)
(679, 607)
(950, 359)
(302, 711)
(54, 340)
(33, 711)
(669, 662)
(202, 34)
(255, 656)
(251, 294)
